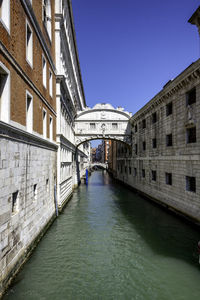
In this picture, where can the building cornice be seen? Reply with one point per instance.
(16, 134)
(182, 81)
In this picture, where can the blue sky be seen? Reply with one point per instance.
(129, 49)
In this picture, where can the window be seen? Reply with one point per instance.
(125, 169)
(15, 200)
(169, 109)
(136, 149)
(168, 178)
(50, 83)
(135, 172)
(154, 143)
(143, 173)
(47, 16)
(144, 145)
(121, 169)
(191, 184)
(47, 185)
(154, 118)
(92, 126)
(44, 123)
(5, 13)
(35, 192)
(130, 170)
(29, 112)
(4, 94)
(44, 71)
(50, 128)
(143, 124)
(136, 128)
(169, 140)
(191, 135)
(153, 175)
(114, 126)
(191, 97)
(29, 44)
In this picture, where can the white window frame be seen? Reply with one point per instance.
(5, 14)
(51, 128)
(44, 122)
(50, 83)
(29, 113)
(47, 16)
(44, 71)
(5, 96)
(29, 45)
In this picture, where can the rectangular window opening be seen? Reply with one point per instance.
(92, 126)
(50, 128)
(44, 72)
(154, 143)
(44, 124)
(143, 123)
(191, 184)
(4, 94)
(168, 178)
(191, 135)
(29, 44)
(191, 97)
(144, 145)
(15, 202)
(50, 83)
(143, 173)
(29, 112)
(169, 109)
(154, 118)
(153, 175)
(5, 13)
(35, 192)
(114, 126)
(169, 140)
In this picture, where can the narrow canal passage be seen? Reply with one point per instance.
(110, 243)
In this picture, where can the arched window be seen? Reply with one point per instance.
(47, 16)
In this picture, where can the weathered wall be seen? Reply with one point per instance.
(28, 168)
(181, 158)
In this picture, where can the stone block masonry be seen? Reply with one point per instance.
(164, 162)
(27, 177)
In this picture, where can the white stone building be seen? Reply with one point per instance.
(71, 161)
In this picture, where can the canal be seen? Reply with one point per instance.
(110, 243)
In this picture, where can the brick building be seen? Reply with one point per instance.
(41, 91)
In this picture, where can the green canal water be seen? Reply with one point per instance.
(110, 243)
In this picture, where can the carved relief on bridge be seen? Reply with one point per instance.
(103, 122)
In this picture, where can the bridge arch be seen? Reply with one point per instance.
(103, 121)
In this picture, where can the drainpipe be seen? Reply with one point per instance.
(55, 200)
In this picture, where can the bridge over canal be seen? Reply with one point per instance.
(103, 121)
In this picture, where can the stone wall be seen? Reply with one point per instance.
(27, 172)
(164, 162)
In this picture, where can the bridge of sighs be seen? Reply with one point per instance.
(103, 121)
